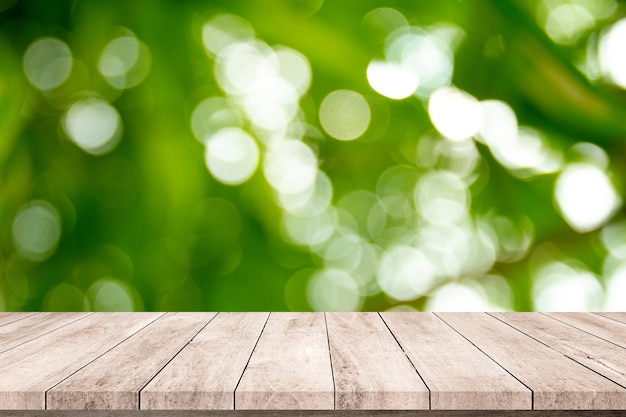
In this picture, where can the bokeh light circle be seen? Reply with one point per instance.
(345, 114)
(47, 63)
(36, 230)
(232, 156)
(94, 125)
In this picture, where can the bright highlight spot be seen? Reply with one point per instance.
(125, 62)
(309, 231)
(441, 197)
(334, 290)
(47, 63)
(458, 296)
(36, 230)
(615, 290)
(586, 197)
(290, 167)
(522, 150)
(94, 125)
(110, 295)
(612, 56)
(391, 80)
(294, 68)
(232, 156)
(310, 201)
(223, 30)
(404, 273)
(213, 114)
(568, 22)
(456, 114)
(426, 55)
(561, 287)
(345, 114)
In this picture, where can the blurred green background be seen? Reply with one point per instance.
(312, 155)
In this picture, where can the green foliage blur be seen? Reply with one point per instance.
(112, 196)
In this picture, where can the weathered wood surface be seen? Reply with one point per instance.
(459, 376)
(205, 374)
(290, 367)
(109, 362)
(115, 379)
(557, 381)
(386, 380)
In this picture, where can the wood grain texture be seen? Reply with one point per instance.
(31, 327)
(369, 368)
(458, 375)
(290, 367)
(599, 325)
(617, 316)
(557, 382)
(597, 354)
(28, 372)
(315, 413)
(6, 318)
(205, 373)
(113, 381)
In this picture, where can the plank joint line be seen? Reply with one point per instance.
(330, 356)
(171, 359)
(410, 361)
(45, 397)
(532, 393)
(247, 362)
(583, 330)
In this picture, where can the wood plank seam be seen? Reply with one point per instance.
(583, 330)
(532, 393)
(410, 361)
(248, 361)
(558, 351)
(330, 356)
(88, 363)
(22, 318)
(171, 359)
(43, 334)
(609, 317)
(567, 356)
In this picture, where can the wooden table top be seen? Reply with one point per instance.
(312, 361)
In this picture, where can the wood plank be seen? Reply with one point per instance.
(617, 316)
(314, 413)
(290, 367)
(601, 326)
(557, 382)
(6, 318)
(113, 381)
(369, 368)
(205, 373)
(603, 357)
(31, 327)
(458, 375)
(28, 372)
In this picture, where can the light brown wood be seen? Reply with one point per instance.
(602, 326)
(459, 376)
(603, 357)
(31, 327)
(205, 373)
(290, 367)
(107, 363)
(557, 381)
(617, 316)
(6, 318)
(369, 368)
(28, 372)
(113, 381)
